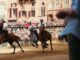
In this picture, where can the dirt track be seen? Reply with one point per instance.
(59, 53)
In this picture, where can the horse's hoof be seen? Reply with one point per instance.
(46, 44)
(51, 49)
(33, 45)
(45, 47)
(36, 46)
(13, 53)
(23, 51)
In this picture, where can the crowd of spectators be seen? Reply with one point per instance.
(23, 33)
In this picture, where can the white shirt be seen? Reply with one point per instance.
(41, 24)
(5, 26)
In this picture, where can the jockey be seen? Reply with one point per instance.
(3, 24)
(30, 26)
(42, 28)
(42, 25)
(34, 34)
(34, 37)
(3, 27)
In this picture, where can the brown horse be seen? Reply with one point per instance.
(45, 36)
(10, 39)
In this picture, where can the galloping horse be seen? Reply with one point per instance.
(45, 36)
(34, 38)
(10, 39)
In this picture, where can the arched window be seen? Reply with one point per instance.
(43, 9)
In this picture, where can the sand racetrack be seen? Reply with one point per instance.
(60, 52)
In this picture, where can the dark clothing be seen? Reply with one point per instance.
(36, 34)
(43, 36)
(73, 30)
(74, 47)
(44, 41)
(1, 26)
(5, 32)
(36, 41)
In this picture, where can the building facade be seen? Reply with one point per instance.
(33, 11)
(57, 5)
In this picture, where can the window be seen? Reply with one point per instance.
(24, 13)
(66, 1)
(33, 13)
(32, 0)
(33, 3)
(42, 11)
(29, 13)
(57, 2)
(43, 3)
(13, 4)
(15, 12)
(51, 17)
(10, 12)
(19, 13)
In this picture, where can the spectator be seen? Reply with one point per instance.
(72, 30)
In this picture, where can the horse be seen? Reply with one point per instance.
(10, 39)
(34, 38)
(45, 36)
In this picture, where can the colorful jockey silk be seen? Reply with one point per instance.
(73, 25)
